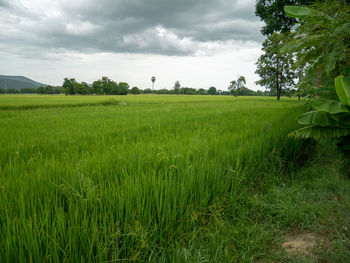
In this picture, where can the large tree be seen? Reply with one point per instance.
(273, 67)
(272, 13)
(276, 21)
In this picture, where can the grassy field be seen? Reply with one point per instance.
(140, 178)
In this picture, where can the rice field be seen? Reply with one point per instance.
(133, 178)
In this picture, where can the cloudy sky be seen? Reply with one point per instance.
(201, 43)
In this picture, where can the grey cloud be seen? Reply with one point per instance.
(169, 27)
(4, 3)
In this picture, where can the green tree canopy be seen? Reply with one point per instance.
(122, 88)
(212, 90)
(69, 86)
(135, 90)
(237, 86)
(97, 87)
(177, 87)
(202, 91)
(272, 13)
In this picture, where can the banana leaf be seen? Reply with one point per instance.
(330, 106)
(319, 118)
(343, 119)
(303, 12)
(342, 86)
(318, 132)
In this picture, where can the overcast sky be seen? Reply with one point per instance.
(201, 43)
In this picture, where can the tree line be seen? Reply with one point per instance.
(106, 86)
(40, 90)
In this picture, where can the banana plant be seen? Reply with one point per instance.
(330, 118)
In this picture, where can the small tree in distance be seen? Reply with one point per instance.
(202, 91)
(153, 79)
(177, 87)
(122, 88)
(147, 91)
(69, 86)
(212, 90)
(135, 90)
(237, 85)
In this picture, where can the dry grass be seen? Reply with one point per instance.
(301, 243)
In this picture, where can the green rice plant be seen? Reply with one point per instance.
(134, 182)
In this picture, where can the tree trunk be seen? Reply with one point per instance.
(278, 88)
(298, 97)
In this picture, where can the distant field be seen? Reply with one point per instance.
(48, 101)
(42, 101)
(131, 179)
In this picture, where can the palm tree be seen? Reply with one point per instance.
(153, 79)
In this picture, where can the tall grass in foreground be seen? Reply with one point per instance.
(105, 183)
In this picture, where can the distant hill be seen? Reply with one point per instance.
(18, 82)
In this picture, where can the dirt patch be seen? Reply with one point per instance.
(123, 103)
(301, 243)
